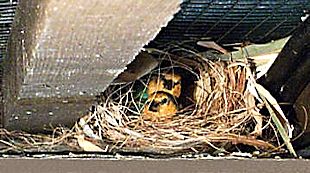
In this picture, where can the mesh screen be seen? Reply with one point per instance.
(223, 21)
(233, 21)
(7, 12)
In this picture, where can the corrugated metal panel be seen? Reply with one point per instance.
(7, 12)
(231, 21)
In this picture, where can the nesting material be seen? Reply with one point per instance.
(218, 110)
(188, 104)
(62, 139)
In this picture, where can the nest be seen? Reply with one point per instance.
(62, 139)
(188, 104)
(219, 110)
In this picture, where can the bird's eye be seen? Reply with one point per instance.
(164, 101)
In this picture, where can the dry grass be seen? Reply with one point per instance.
(16, 141)
(225, 113)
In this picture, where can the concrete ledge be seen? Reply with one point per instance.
(136, 166)
(69, 49)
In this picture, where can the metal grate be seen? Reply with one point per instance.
(232, 21)
(7, 12)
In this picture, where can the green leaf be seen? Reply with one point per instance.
(281, 129)
(277, 117)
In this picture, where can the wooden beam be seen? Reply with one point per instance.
(302, 108)
(72, 50)
(289, 59)
(298, 81)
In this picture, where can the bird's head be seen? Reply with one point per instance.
(167, 82)
(160, 104)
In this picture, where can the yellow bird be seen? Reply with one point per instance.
(167, 82)
(160, 105)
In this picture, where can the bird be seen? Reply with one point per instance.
(160, 105)
(167, 82)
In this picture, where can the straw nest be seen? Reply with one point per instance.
(200, 106)
(219, 111)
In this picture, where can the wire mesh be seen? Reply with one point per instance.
(223, 21)
(234, 21)
(7, 12)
